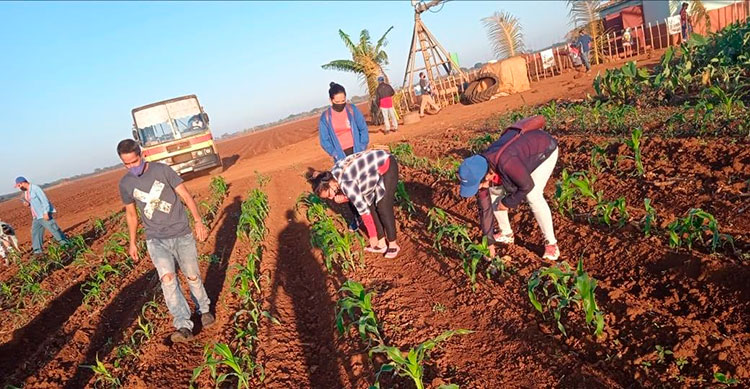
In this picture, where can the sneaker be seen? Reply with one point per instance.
(207, 319)
(551, 252)
(504, 239)
(181, 335)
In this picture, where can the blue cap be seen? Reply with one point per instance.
(381, 79)
(471, 173)
(21, 179)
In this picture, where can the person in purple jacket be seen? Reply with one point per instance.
(516, 167)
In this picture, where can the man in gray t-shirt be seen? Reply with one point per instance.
(154, 188)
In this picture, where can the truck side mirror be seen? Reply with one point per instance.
(205, 117)
(135, 135)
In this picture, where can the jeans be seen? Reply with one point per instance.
(37, 233)
(585, 59)
(181, 250)
(382, 212)
(388, 115)
(538, 204)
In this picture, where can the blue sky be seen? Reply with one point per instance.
(73, 71)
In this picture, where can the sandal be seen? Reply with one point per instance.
(377, 250)
(392, 252)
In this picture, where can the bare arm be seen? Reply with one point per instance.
(200, 230)
(131, 217)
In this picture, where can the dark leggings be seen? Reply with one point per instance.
(352, 208)
(382, 212)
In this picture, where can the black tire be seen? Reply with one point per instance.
(466, 96)
(481, 90)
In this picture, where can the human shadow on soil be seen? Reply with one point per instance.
(117, 316)
(27, 349)
(226, 238)
(299, 274)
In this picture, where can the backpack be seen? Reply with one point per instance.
(523, 126)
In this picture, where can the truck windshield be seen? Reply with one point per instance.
(166, 122)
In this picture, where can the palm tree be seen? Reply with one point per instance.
(585, 13)
(367, 62)
(506, 34)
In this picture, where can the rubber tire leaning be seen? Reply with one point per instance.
(472, 96)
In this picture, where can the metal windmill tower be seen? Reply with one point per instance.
(444, 74)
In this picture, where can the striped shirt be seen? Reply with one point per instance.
(360, 178)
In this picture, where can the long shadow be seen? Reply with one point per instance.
(300, 274)
(122, 311)
(226, 238)
(229, 161)
(28, 349)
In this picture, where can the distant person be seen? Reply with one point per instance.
(384, 96)
(627, 42)
(368, 180)
(343, 131)
(687, 27)
(8, 241)
(514, 168)
(42, 215)
(575, 55)
(196, 122)
(426, 95)
(154, 188)
(584, 43)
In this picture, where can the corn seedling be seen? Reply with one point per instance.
(404, 153)
(445, 168)
(650, 218)
(403, 199)
(443, 228)
(724, 379)
(262, 179)
(99, 227)
(251, 225)
(562, 288)
(412, 364)
(599, 157)
(144, 331)
(209, 258)
(661, 353)
(219, 355)
(606, 210)
(693, 227)
(635, 145)
(473, 255)
(357, 305)
(573, 187)
(480, 143)
(102, 374)
(93, 289)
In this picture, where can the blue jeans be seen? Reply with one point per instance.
(585, 59)
(164, 254)
(37, 233)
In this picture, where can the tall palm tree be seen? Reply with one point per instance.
(367, 62)
(505, 33)
(585, 13)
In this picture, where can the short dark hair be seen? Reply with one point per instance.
(321, 181)
(581, 31)
(127, 146)
(335, 89)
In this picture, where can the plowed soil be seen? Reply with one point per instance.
(690, 302)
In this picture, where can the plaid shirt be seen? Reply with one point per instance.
(359, 178)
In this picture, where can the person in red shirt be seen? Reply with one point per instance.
(687, 28)
(384, 97)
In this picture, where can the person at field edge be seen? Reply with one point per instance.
(8, 242)
(627, 42)
(426, 95)
(42, 214)
(384, 96)
(687, 27)
(516, 167)
(584, 42)
(368, 180)
(154, 188)
(342, 131)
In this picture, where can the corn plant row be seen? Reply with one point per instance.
(355, 307)
(326, 235)
(128, 350)
(219, 190)
(445, 168)
(457, 237)
(236, 359)
(577, 189)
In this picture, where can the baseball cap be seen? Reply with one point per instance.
(21, 179)
(471, 172)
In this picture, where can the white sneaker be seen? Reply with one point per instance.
(504, 239)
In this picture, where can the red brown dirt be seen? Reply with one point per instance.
(693, 303)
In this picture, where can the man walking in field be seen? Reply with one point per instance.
(426, 95)
(153, 188)
(384, 95)
(41, 213)
(584, 43)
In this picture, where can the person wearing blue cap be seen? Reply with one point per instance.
(516, 167)
(384, 98)
(41, 213)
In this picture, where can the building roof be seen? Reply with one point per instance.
(613, 6)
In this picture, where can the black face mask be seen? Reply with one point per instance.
(338, 107)
(23, 189)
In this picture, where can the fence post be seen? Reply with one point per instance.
(658, 29)
(638, 41)
(536, 67)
